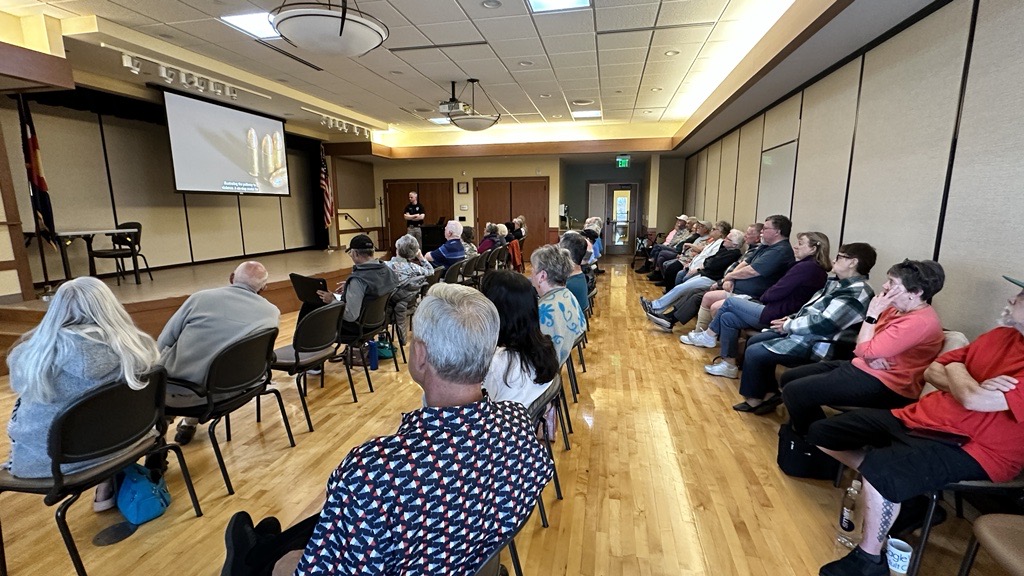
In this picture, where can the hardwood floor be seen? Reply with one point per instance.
(662, 478)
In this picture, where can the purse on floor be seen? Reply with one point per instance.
(140, 499)
(799, 459)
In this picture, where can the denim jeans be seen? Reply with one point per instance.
(735, 314)
(677, 293)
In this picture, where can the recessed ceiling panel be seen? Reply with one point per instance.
(451, 32)
(678, 12)
(571, 22)
(567, 43)
(517, 48)
(432, 12)
(574, 59)
(507, 28)
(623, 40)
(627, 17)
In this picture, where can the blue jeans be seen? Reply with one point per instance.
(735, 315)
(758, 376)
(676, 293)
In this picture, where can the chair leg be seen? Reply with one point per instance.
(284, 415)
(146, 260)
(565, 409)
(540, 508)
(366, 369)
(185, 474)
(65, 532)
(259, 415)
(558, 485)
(573, 385)
(579, 350)
(516, 566)
(3, 553)
(220, 458)
(560, 414)
(302, 398)
(394, 356)
(926, 528)
(969, 556)
(227, 427)
(348, 372)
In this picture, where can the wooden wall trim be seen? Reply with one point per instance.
(486, 150)
(43, 70)
(14, 230)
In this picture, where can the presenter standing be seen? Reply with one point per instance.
(414, 216)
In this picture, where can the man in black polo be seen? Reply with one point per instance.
(414, 215)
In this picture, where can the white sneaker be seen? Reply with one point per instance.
(688, 337)
(722, 368)
(704, 340)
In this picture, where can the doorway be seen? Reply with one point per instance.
(434, 195)
(619, 204)
(502, 199)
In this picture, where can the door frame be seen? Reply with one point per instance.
(545, 225)
(386, 225)
(610, 185)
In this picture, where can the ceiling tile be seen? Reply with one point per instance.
(405, 36)
(507, 28)
(675, 37)
(574, 59)
(383, 62)
(487, 71)
(623, 40)
(576, 72)
(460, 54)
(747, 8)
(221, 7)
(568, 43)
(384, 12)
(615, 70)
(628, 56)
(617, 114)
(171, 34)
(166, 11)
(534, 76)
(686, 53)
(648, 115)
(37, 9)
(739, 30)
(451, 32)
(520, 47)
(581, 84)
(679, 12)
(529, 118)
(628, 81)
(653, 100)
(108, 11)
(434, 12)
(442, 72)
(210, 30)
(672, 68)
(572, 22)
(628, 17)
(423, 56)
(540, 62)
(475, 9)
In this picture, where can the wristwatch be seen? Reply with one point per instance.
(870, 319)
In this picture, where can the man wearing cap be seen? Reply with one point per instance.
(369, 278)
(452, 250)
(675, 238)
(971, 429)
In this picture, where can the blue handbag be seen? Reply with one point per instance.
(140, 499)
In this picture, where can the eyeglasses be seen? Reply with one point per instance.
(768, 228)
(844, 257)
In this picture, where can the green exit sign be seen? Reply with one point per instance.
(622, 161)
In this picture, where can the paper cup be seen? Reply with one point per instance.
(898, 553)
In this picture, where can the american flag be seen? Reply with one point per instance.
(325, 188)
(37, 183)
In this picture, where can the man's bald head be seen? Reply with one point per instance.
(250, 274)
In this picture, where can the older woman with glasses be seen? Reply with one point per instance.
(900, 337)
(827, 322)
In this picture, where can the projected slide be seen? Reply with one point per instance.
(220, 149)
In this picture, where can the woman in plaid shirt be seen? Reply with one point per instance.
(810, 335)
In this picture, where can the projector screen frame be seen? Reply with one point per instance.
(163, 89)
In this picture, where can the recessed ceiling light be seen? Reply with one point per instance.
(439, 121)
(586, 114)
(396, 72)
(656, 89)
(424, 109)
(582, 102)
(526, 63)
(491, 4)
(256, 24)
(672, 53)
(647, 111)
(556, 116)
(552, 5)
(545, 95)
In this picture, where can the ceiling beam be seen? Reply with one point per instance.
(515, 149)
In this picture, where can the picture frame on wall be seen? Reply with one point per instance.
(463, 188)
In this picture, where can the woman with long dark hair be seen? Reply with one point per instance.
(525, 361)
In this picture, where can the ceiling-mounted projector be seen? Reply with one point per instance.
(453, 106)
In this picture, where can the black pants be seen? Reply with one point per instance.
(261, 559)
(757, 379)
(668, 273)
(806, 389)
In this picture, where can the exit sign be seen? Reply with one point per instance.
(622, 161)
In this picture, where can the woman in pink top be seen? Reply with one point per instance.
(899, 339)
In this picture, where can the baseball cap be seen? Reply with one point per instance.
(682, 217)
(360, 242)
(1019, 283)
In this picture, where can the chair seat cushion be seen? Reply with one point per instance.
(286, 359)
(1001, 536)
(112, 253)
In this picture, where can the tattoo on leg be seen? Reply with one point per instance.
(885, 522)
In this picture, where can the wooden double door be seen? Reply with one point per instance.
(434, 194)
(502, 199)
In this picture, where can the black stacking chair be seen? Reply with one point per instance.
(536, 411)
(112, 421)
(239, 373)
(313, 343)
(127, 245)
(468, 269)
(492, 566)
(472, 276)
(373, 320)
(452, 273)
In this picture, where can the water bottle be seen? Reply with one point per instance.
(849, 529)
(372, 354)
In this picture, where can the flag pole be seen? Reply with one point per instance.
(22, 116)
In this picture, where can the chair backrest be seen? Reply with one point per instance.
(481, 262)
(451, 274)
(318, 329)
(373, 315)
(539, 406)
(105, 421)
(130, 239)
(468, 265)
(492, 258)
(242, 365)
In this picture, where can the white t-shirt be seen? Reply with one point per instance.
(519, 387)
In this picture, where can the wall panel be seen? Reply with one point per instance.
(782, 123)
(297, 210)
(711, 184)
(727, 178)
(908, 106)
(690, 186)
(701, 188)
(775, 189)
(823, 158)
(214, 226)
(261, 224)
(985, 192)
(748, 171)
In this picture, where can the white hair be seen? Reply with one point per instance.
(502, 230)
(407, 246)
(87, 308)
(251, 274)
(736, 235)
(458, 326)
(454, 227)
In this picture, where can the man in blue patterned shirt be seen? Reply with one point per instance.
(441, 494)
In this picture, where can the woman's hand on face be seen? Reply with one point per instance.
(882, 301)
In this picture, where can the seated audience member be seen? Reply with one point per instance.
(522, 225)
(709, 271)
(979, 405)
(411, 271)
(675, 236)
(511, 227)
(693, 258)
(786, 296)
(452, 250)
(576, 244)
(685, 249)
(772, 259)
(85, 340)
(525, 361)
(594, 224)
(461, 473)
(502, 239)
(490, 239)
(468, 236)
(561, 317)
(899, 338)
(206, 323)
(830, 318)
(370, 278)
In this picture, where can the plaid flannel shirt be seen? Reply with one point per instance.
(828, 317)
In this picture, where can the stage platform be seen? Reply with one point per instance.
(152, 303)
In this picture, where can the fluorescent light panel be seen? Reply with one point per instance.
(553, 5)
(586, 114)
(256, 24)
(440, 121)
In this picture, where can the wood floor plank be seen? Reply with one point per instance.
(663, 477)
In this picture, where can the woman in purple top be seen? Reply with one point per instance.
(800, 282)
